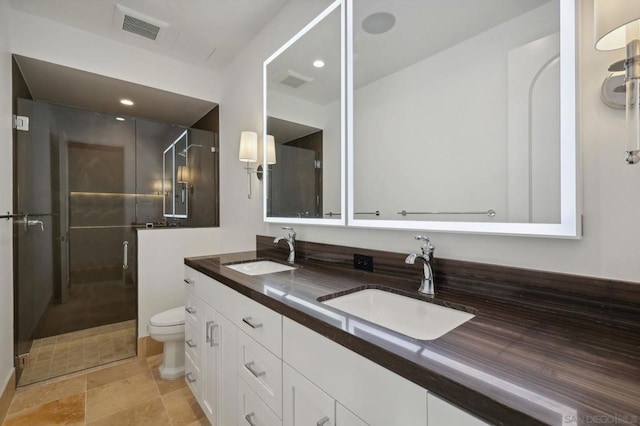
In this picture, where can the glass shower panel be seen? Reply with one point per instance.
(37, 279)
(152, 139)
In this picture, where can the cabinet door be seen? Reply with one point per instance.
(345, 417)
(218, 365)
(441, 413)
(304, 403)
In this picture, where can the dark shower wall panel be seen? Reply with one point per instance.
(98, 203)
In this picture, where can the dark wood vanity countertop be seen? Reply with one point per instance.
(509, 365)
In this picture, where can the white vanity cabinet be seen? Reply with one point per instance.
(248, 365)
(210, 347)
(237, 362)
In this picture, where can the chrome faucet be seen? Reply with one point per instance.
(426, 286)
(291, 240)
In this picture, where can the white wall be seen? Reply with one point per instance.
(611, 194)
(6, 202)
(49, 41)
(161, 254)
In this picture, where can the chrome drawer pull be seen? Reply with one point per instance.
(208, 328)
(191, 343)
(323, 421)
(256, 373)
(190, 309)
(249, 418)
(252, 324)
(212, 342)
(190, 378)
(189, 281)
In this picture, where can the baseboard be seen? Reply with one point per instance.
(7, 395)
(148, 347)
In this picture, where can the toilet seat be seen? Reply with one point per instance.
(169, 318)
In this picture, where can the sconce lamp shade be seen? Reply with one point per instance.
(248, 147)
(183, 174)
(271, 149)
(616, 22)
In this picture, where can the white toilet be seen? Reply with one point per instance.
(168, 327)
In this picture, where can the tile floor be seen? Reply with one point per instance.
(70, 352)
(127, 394)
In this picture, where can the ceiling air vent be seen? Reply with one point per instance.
(140, 27)
(134, 22)
(295, 80)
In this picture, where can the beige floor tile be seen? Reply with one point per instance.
(66, 411)
(37, 395)
(150, 413)
(102, 401)
(115, 373)
(154, 361)
(182, 407)
(167, 386)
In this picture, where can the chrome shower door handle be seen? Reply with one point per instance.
(125, 248)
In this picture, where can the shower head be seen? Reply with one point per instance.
(183, 153)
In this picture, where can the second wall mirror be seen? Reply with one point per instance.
(304, 97)
(464, 116)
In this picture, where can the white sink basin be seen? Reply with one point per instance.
(260, 267)
(412, 317)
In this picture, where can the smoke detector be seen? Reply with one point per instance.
(294, 80)
(133, 22)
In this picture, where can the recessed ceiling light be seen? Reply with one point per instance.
(318, 63)
(378, 23)
(127, 102)
(120, 118)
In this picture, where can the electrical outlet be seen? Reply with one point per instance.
(362, 262)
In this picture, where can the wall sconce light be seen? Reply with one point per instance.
(248, 153)
(183, 176)
(617, 25)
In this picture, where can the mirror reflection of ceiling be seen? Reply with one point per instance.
(295, 65)
(423, 28)
(80, 89)
(206, 33)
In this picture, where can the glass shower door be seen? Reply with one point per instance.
(76, 172)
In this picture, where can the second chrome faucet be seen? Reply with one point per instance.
(427, 285)
(291, 240)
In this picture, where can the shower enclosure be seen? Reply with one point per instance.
(85, 182)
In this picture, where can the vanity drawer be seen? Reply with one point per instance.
(252, 411)
(192, 342)
(192, 377)
(261, 323)
(261, 370)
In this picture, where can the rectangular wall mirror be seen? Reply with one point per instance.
(304, 109)
(463, 116)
